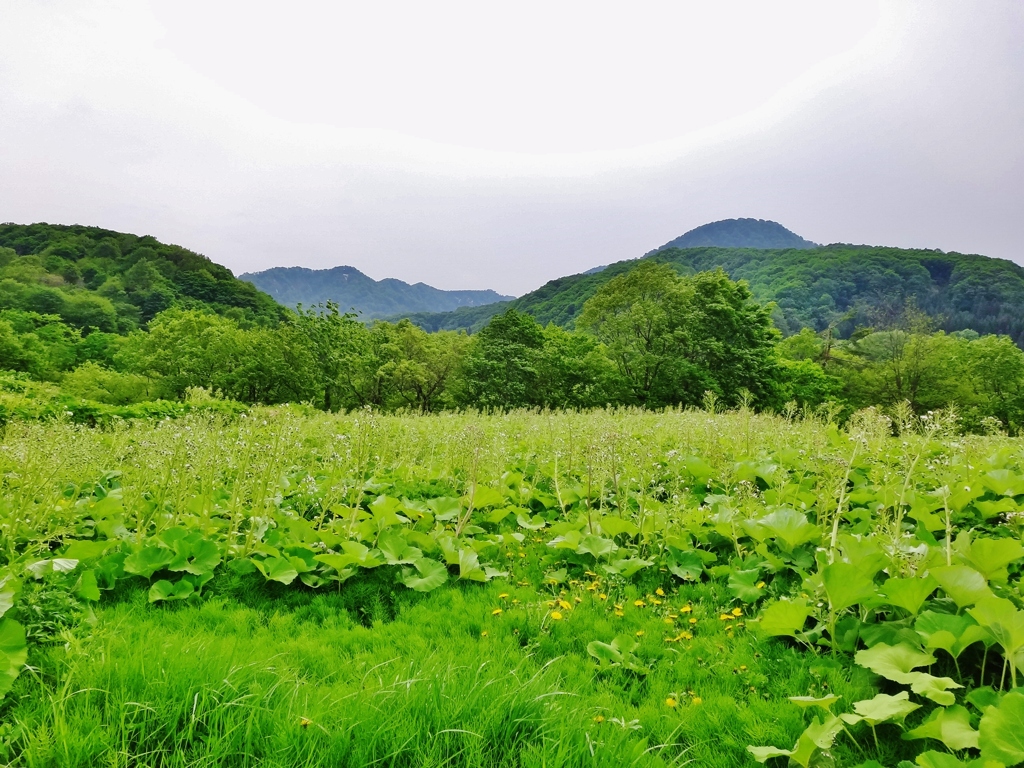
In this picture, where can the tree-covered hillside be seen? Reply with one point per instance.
(846, 286)
(740, 233)
(350, 289)
(114, 282)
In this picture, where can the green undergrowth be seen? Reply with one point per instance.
(369, 677)
(527, 589)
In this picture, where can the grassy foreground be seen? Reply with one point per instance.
(609, 588)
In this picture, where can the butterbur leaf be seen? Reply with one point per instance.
(938, 760)
(785, 618)
(428, 575)
(396, 549)
(469, 566)
(13, 653)
(280, 569)
(897, 663)
(817, 736)
(743, 585)
(953, 633)
(597, 546)
(86, 549)
(1002, 730)
(983, 697)
(87, 588)
(7, 594)
(166, 590)
(964, 585)
(627, 567)
(950, 725)
(195, 555)
(825, 702)
(614, 526)
(789, 528)
(688, 566)
(847, 584)
(1003, 622)
(909, 594)
(148, 560)
(882, 709)
(990, 556)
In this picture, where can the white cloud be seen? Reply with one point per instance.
(221, 130)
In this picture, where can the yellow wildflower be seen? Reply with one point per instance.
(564, 605)
(639, 633)
(686, 635)
(693, 621)
(686, 609)
(670, 702)
(737, 611)
(484, 633)
(602, 596)
(639, 603)
(503, 595)
(620, 614)
(659, 592)
(599, 719)
(556, 616)
(656, 602)
(697, 700)
(496, 612)
(760, 585)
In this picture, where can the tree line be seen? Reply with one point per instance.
(648, 337)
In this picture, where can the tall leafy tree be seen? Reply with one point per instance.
(672, 338)
(501, 369)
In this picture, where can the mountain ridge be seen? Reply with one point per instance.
(352, 289)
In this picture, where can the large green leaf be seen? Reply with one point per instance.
(1002, 730)
(951, 632)
(743, 585)
(428, 575)
(817, 736)
(789, 528)
(166, 590)
(13, 653)
(848, 584)
(989, 556)
(613, 526)
(882, 709)
(396, 549)
(148, 560)
(785, 618)
(280, 569)
(195, 554)
(8, 591)
(1001, 619)
(897, 663)
(950, 725)
(963, 584)
(598, 546)
(909, 594)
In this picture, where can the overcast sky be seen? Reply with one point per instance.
(499, 145)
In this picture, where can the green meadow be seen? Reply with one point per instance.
(287, 587)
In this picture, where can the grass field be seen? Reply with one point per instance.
(611, 588)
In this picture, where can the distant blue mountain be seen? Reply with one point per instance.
(352, 290)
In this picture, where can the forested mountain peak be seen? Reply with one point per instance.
(350, 289)
(111, 281)
(739, 233)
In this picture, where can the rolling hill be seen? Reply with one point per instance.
(353, 290)
(848, 286)
(740, 233)
(112, 281)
